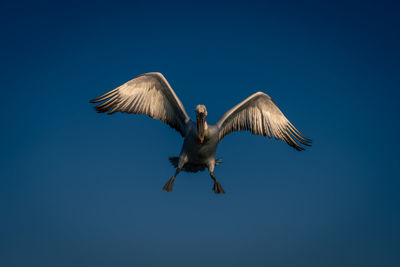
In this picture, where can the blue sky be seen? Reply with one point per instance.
(84, 189)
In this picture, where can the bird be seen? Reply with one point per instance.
(151, 94)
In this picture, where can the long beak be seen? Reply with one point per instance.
(200, 128)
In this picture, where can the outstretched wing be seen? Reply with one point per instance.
(260, 115)
(148, 94)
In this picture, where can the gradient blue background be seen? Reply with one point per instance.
(79, 188)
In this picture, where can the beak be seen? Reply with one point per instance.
(200, 127)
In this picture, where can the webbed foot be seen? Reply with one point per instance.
(168, 185)
(218, 188)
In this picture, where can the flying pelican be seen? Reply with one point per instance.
(151, 94)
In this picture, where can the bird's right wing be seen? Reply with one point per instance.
(260, 115)
(148, 94)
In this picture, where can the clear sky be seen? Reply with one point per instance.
(79, 188)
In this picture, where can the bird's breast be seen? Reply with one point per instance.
(200, 152)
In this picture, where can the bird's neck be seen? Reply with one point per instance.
(205, 128)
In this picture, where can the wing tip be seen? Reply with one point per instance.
(307, 143)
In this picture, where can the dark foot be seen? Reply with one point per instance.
(218, 188)
(168, 186)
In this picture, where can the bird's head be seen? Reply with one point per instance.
(201, 116)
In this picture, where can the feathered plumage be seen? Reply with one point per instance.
(151, 94)
(260, 115)
(148, 94)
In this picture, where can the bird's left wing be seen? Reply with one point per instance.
(260, 115)
(148, 94)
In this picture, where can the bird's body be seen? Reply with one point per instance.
(196, 152)
(152, 95)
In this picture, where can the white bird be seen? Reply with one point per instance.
(151, 94)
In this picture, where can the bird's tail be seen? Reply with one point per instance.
(174, 161)
(192, 167)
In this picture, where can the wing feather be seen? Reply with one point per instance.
(148, 94)
(261, 116)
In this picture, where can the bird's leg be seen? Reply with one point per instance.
(182, 160)
(168, 186)
(217, 186)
